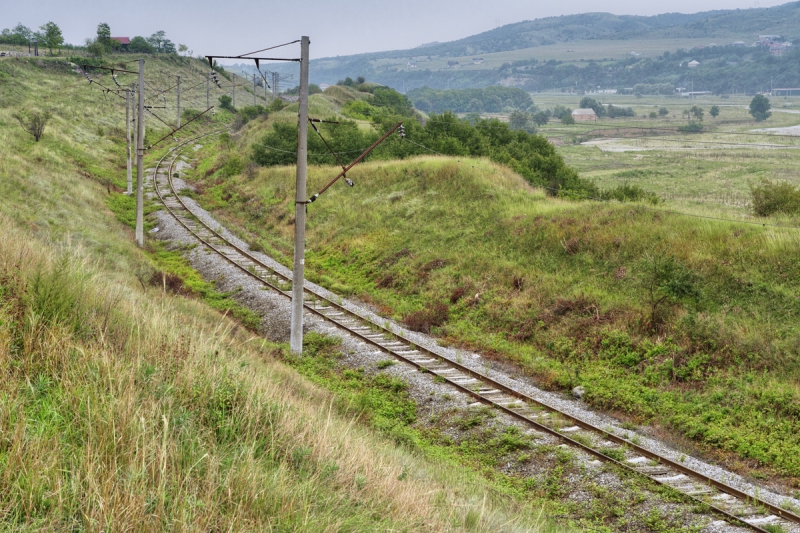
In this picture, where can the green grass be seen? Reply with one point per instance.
(128, 406)
(559, 288)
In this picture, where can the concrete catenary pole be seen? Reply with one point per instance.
(179, 101)
(254, 89)
(140, 160)
(233, 84)
(208, 90)
(296, 343)
(128, 139)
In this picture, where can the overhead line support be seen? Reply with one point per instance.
(298, 279)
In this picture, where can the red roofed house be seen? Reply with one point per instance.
(123, 41)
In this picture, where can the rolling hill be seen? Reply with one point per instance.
(588, 36)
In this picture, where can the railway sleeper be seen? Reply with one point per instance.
(683, 483)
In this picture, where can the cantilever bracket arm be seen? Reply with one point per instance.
(356, 161)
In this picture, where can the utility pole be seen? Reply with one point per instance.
(266, 100)
(233, 84)
(140, 160)
(275, 80)
(208, 90)
(254, 89)
(128, 139)
(296, 343)
(179, 102)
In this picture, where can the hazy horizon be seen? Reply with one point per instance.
(342, 29)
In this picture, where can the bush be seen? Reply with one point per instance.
(567, 119)
(663, 112)
(226, 102)
(425, 319)
(770, 197)
(614, 111)
(252, 112)
(665, 282)
(190, 114)
(33, 122)
(628, 193)
(692, 127)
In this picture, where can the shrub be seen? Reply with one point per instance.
(692, 127)
(226, 102)
(251, 112)
(277, 105)
(665, 281)
(425, 319)
(33, 122)
(567, 119)
(628, 193)
(663, 112)
(190, 114)
(770, 197)
(614, 111)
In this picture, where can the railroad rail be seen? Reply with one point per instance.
(733, 505)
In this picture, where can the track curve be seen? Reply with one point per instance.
(734, 505)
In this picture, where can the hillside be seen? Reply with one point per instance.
(610, 37)
(684, 323)
(130, 402)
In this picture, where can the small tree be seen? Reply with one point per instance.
(140, 45)
(760, 107)
(521, 120)
(540, 118)
(697, 113)
(663, 112)
(567, 119)
(104, 35)
(95, 48)
(588, 102)
(51, 36)
(33, 122)
(666, 282)
(714, 111)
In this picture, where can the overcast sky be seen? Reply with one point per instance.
(336, 27)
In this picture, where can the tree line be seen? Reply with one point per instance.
(493, 99)
(50, 36)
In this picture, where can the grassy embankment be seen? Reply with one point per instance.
(123, 406)
(682, 323)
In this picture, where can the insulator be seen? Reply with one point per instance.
(349, 182)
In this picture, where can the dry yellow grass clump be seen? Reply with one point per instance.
(125, 410)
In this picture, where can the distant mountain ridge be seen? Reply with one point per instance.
(783, 19)
(739, 24)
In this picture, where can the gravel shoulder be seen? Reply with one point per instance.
(435, 397)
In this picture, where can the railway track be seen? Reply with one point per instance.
(729, 503)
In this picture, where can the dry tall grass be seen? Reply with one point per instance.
(121, 410)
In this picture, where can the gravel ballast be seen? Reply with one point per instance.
(275, 312)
